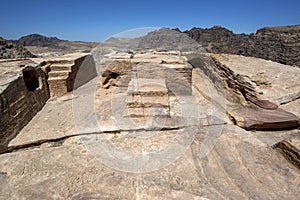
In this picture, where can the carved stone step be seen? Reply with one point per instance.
(138, 101)
(147, 112)
(147, 87)
(61, 67)
(58, 73)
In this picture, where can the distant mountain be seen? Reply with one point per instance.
(38, 40)
(164, 39)
(8, 50)
(39, 44)
(121, 44)
(279, 44)
(34, 45)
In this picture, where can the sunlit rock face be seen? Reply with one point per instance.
(159, 124)
(279, 44)
(27, 84)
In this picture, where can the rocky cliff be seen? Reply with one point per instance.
(9, 50)
(279, 44)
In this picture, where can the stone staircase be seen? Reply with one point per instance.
(146, 98)
(59, 78)
(69, 72)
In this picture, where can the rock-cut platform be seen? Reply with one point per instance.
(154, 126)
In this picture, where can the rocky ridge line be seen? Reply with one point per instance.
(279, 44)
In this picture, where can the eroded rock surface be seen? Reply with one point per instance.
(279, 44)
(254, 117)
(23, 92)
(270, 80)
(290, 150)
(178, 142)
(8, 50)
(239, 166)
(257, 86)
(27, 84)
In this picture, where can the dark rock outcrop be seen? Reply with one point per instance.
(9, 50)
(254, 117)
(44, 46)
(38, 40)
(279, 44)
(289, 151)
(166, 39)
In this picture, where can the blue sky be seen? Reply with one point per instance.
(96, 20)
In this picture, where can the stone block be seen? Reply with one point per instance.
(152, 101)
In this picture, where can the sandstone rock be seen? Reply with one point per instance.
(23, 92)
(147, 87)
(242, 81)
(271, 81)
(114, 70)
(289, 151)
(111, 105)
(292, 107)
(279, 44)
(254, 117)
(160, 131)
(26, 85)
(238, 162)
(69, 72)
